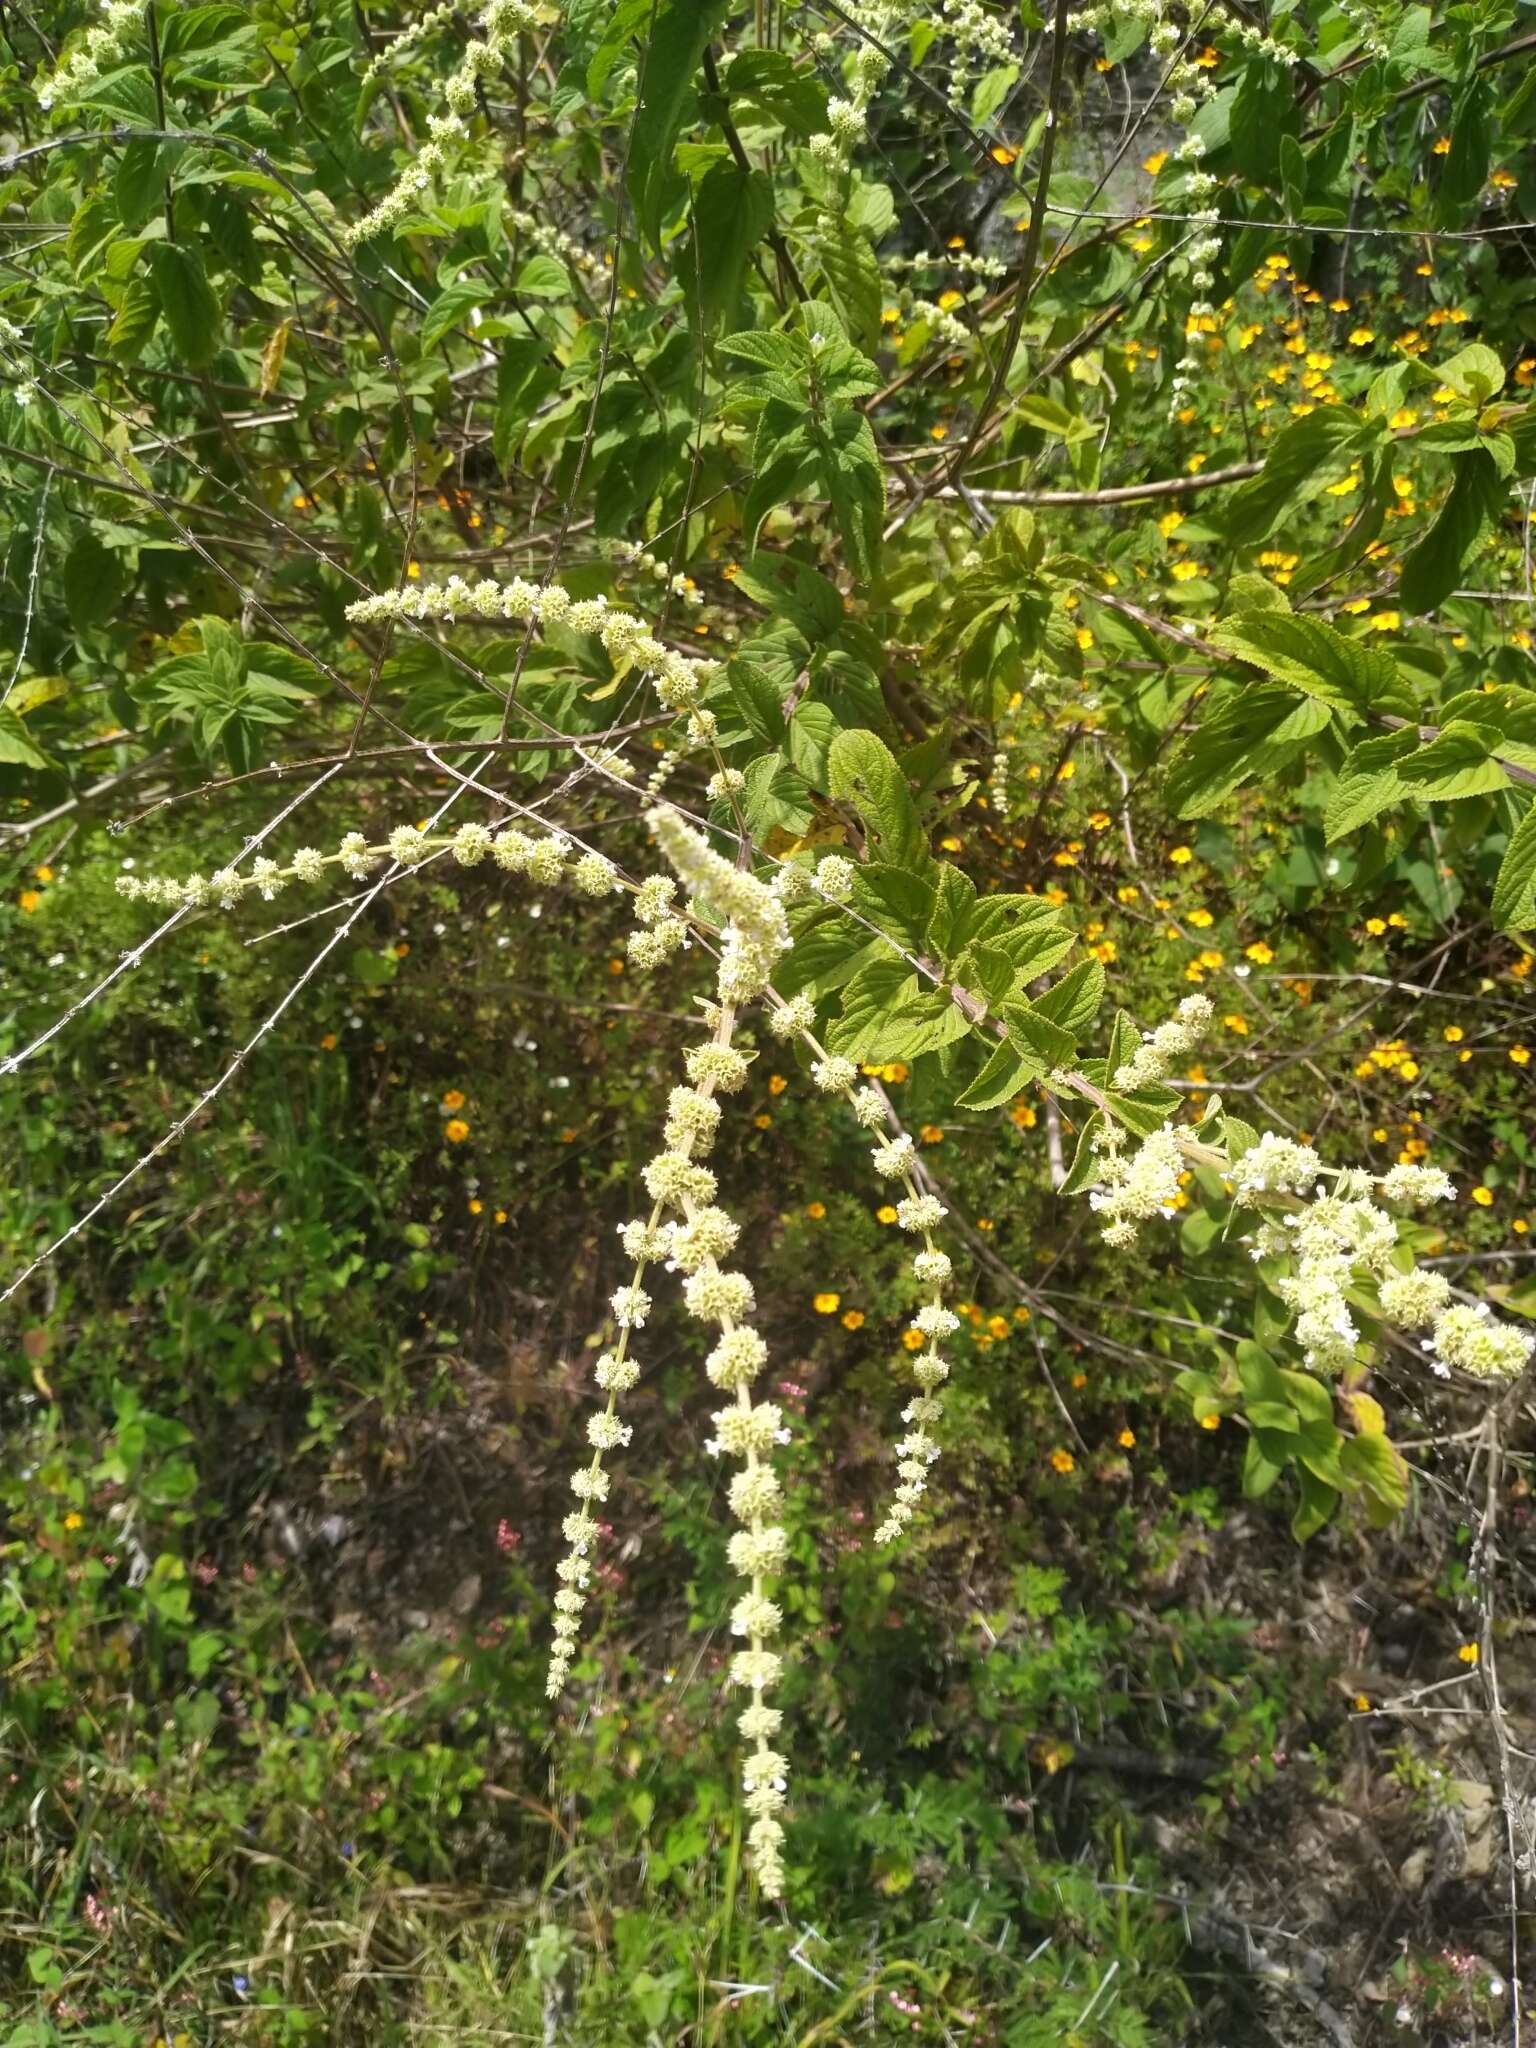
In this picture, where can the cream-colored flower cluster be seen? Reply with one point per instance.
(411, 37)
(756, 930)
(939, 315)
(698, 1235)
(1329, 1239)
(966, 261)
(1132, 1188)
(973, 36)
(678, 679)
(629, 555)
(501, 22)
(847, 119)
(545, 858)
(978, 38)
(895, 1159)
(690, 1233)
(1337, 1236)
(101, 48)
(1158, 1051)
(920, 1214)
(1191, 84)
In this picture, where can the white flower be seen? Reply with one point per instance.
(793, 1017)
(407, 845)
(631, 1306)
(717, 1297)
(1413, 1186)
(1415, 1298)
(691, 1117)
(737, 1359)
(471, 844)
(935, 1321)
(1275, 1165)
(755, 1616)
(895, 1158)
(834, 1075)
(834, 878)
(616, 1375)
(1468, 1338)
(709, 1234)
(755, 1493)
(606, 1432)
(720, 1067)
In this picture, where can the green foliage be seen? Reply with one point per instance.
(1134, 622)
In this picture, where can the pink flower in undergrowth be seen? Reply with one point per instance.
(507, 1538)
(98, 1913)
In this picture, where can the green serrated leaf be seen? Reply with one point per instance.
(1075, 1000)
(1005, 1073)
(1458, 762)
(187, 300)
(732, 210)
(451, 309)
(776, 796)
(862, 770)
(1315, 657)
(1432, 569)
(1084, 1170)
(1038, 1035)
(1368, 782)
(1240, 739)
(1259, 1473)
(1306, 456)
(1318, 1501)
(1514, 891)
(899, 903)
